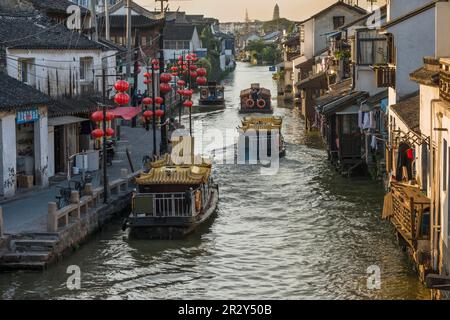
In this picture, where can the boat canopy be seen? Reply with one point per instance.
(261, 123)
(186, 175)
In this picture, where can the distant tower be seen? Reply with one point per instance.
(247, 19)
(276, 12)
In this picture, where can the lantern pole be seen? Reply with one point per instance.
(105, 176)
(154, 109)
(190, 97)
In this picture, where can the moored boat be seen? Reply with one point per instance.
(256, 100)
(172, 200)
(211, 98)
(262, 131)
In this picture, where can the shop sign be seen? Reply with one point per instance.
(26, 116)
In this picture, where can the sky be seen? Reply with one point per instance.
(234, 10)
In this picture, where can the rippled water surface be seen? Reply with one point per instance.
(305, 233)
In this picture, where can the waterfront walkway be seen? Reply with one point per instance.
(28, 212)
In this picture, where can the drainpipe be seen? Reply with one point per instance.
(354, 77)
(435, 190)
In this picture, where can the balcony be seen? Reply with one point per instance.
(444, 81)
(385, 76)
(292, 55)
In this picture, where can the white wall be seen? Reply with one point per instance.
(442, 12)
(8, 155)
(41, 148)
(412, 45)
(397, 8)
(57, 64)
(308, 44)
(365, 80)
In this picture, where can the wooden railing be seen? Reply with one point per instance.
(385, 76)
(407, 212)
(78, 207)
(444, 81)
(165, 205)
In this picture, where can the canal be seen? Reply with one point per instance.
(305, 233)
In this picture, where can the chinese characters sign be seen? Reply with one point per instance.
(26, 116)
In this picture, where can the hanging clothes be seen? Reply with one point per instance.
(374, 144)
(403, 162)
(373, 122)
(366, 120)
(360, 119)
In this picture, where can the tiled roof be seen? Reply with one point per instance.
(38, 32)
(137, 21)
(15, 94)
(408, 110)
(318, 81)
(356, 9)
(428, 74)
(178, 31)
(54, 5)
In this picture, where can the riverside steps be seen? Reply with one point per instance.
(67, 227)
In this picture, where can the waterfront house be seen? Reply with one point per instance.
(23, 136)
(179, 38)
(65, 65)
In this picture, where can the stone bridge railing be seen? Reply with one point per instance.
(79, 206)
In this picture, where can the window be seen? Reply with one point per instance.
(391, 50)
(338, 21)
(86, 67)
(371, 48)
(26, 71)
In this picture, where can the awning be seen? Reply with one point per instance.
(59, 121)
(126, 113)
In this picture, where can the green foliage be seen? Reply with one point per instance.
(278, 25)
(264, 52)
(341, 54)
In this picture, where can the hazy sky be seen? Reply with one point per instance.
(234, 10)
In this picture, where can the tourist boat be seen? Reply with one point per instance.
(262, 128)
(172, 200)
(211, 98)
(260, 105)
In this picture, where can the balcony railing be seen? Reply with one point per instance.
(385, 76)
(444, 81)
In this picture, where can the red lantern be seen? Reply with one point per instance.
(201, 81)
(97, 116)
(109, 116)
(122, 98)
(194, 57)
(147, 81)
(180, 63)
(174, 69)
(159, 113)
(97, 133)
(159, 100)
(148, 114)
(156, 67)
(193, 67)
(121, 86)
(109, 132)
(188, 92)
(147, 75)
(165, 77)
(181, 83)
(155, 62)
(201, 72)
(174, 74)
(147, 101)
(188, 57)
(180, 92)
(193, 74)
(180, 58)
(188, 104)
(165, 88)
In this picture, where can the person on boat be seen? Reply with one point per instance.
(255, 95)
(188, 200)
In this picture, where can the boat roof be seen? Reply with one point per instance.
(189, 175)
(248, 91)
(261, 123)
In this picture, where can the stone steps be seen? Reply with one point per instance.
(25, 257)
(31, 266)
(32, 245)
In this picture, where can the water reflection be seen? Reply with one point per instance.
(303, 233)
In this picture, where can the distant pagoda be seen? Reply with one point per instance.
(276, 12)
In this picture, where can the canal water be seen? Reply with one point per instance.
(305, 233)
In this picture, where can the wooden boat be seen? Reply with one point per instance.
(172, 200)
(251, 105)
(211, 97)
(265, 128)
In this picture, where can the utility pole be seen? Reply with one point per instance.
(107, 25)
(136, 72)
(93, 20)
(164, 142)
(128, 39)
(105, 175)
(154, 110)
